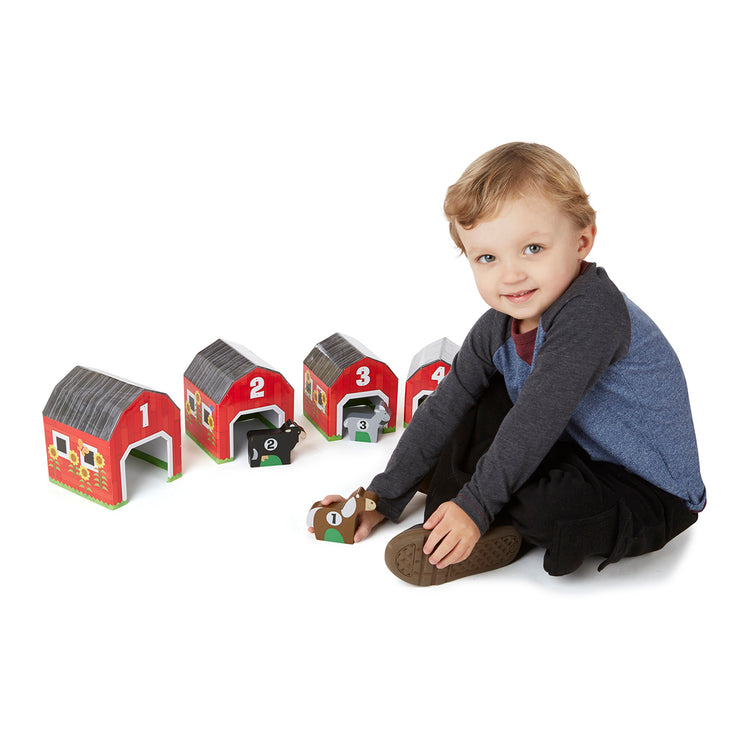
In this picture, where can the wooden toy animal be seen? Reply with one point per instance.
(364, 423)
(337, 522)
(273, 447)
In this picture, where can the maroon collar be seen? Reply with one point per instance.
(524, 342)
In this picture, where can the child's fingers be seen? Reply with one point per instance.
(434, 540)
(444, 551)
(456, 555)
(445, 546)
(363, 531)
(368, 521)
(435, 518)
(328, 499)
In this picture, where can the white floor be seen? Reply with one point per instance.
(203, 614)
(176, 174)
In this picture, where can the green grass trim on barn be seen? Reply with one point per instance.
(86, 496)
(329, 438)
(210, 455)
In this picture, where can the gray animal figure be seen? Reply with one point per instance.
(364, 424)
(273, 447)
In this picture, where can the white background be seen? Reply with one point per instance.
(270, 173)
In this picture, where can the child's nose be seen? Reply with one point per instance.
(511, 272)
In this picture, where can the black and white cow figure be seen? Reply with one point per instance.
(273, 447)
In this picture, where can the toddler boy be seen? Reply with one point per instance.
(565, 419)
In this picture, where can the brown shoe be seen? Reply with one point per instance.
(405, 559)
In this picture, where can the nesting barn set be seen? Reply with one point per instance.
(93, 422)
(233, 401)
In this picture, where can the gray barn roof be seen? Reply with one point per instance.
(91, 401)
(442, 350)
(329, 358)
(215, 369)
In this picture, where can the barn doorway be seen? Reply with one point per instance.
(359, 405)
(140, 458)
(253, 419)
(418, 400)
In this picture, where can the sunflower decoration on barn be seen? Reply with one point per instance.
(210, 424)
(100, 476)
(53, 457)
(194, 408)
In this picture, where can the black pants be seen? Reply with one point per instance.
(572, 506)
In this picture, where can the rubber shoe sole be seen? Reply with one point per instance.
(405, 559)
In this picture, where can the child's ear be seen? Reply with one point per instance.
(586, 241)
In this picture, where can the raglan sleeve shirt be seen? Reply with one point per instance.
(582, 336)
(435, 420)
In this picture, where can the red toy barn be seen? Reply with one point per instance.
(340, 372)
(228, 391)
(93, 422)
(428, 368)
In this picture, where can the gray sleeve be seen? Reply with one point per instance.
(437, 418)
(584, 336)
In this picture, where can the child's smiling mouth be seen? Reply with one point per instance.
(518, 297)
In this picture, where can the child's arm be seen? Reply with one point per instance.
(420, 446)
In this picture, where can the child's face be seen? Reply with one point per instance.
(526, 257)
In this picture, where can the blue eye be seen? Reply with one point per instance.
(532, 249)
(485, 258)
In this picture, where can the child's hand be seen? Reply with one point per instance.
(367, 520)
(457, 531)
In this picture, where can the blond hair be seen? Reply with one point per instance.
(512, 171)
